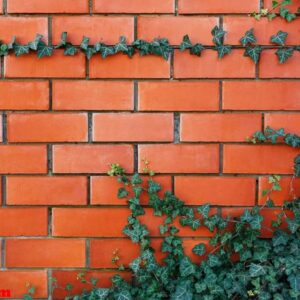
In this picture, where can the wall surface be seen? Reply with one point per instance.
(65, 119)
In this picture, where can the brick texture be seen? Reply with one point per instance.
(65, 119)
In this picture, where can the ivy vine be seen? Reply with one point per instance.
(159, 46)
(236, 263)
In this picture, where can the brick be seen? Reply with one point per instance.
(47, 6)
(128, 127)
(292, 7)
(54, 66)
(17, 159)
(181, 158)
(40, 190)
(66, 277)
(134, 6)
(91, 158)
(24, 28)
(92, 95)
(218, 127)
(16, 281)
(261, 95)
(215, 190)
(23, 221)
(179, 96)
(126, 251)
(1, 131)
(40, 253)
(24, 95)
(290, 189)
(263, 30)
(103, 29)
(217, 7)
(107, 222)
(174, 28)
(234, 65)
(47, 127)
(290, 122)
(120, 66)
(104, 189)
(269, 66)
(259, 159)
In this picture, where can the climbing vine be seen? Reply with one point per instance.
(159, 46)
(237, 262)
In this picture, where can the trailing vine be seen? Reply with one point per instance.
(159, 47)
(283, 8)
(236, 263)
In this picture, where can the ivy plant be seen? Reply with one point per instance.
(237, 262)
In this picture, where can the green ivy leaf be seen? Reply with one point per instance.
(253, 52)
(186, 43)
(186, 267)
(204, 210)
(183, 291)
(199, 249)
(34, 45)
(121, 46)
(284, 53)
(107, 51)
(256, 270)
(223, 50)
(44, 50)
(294, 280)
(218, 35)
(122, 193)
(248, 38)
(279, 38)
(70, 50)
(85, 43)
(20, 49)
(197, 49)
(101, 293)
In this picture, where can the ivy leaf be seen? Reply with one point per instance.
(20, 49)
(70, 50)
(63, 40)
(218, 35)
(34, 45)
(223, 50)
(12, 43)
(197, 49)
(204, 210)
(253, 52)
(3, 49)
(284, 53)
(101, 293)
(122, 193)
(213, 261)
(121, 46)
(279, 38)
(294, 280)
(85, 43)
(186, 267)
(248, 38)
(186, 43)
(293, 225)
(280, 238)
(122, 295)
(256, 270)
(44, 50)
(106, 51)
(255, 222)
(199, 249)
(183, 291)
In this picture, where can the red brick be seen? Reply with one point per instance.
(261, 95)
(174, 28)
(127, 251)
(71, 277)
(107, 222)
(47, 6)
(16, 281)
(23, 221)
(234, 65)
(181, 158)
(24, 28)
(269, 66)
(290, 122)
(259, 159)
(218, 127)
(98, 28)
(47, 127)
(54, 66)
(133, 6)
(91, 158)
(217, 6)
(215, 190)
(127, 127)
(290, 189)
(24, 95)
(40, 253)
(15, 159)
(104, 189)
(179, 96)
(292, 7)
(92, 95)
(120, 66)
(39, 190)
(263, 29)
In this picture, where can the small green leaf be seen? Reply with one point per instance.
(199, 249)
(279, 38)
(248, 38)
(186, 43)
(283, 54)
(34, 45)
(256, 270)
(44, 50)
(223, 50)
(253, 52)
(20, 49)
(218, 35)
(85, 43)
(122, 193)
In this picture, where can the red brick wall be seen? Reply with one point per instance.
(64, 119)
